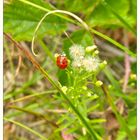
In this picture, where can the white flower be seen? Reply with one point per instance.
(76, 51)
(78, 62)
(90, 63)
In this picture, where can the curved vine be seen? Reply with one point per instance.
(52, 12)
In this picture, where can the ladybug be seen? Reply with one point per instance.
(62, 61)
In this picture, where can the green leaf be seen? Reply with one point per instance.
(22, 23)
(132, 119)
(121, 135)
(79, 5)
(102, 16)
(132, 123)
(121, 19)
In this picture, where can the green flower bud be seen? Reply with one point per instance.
(95, 96)
(84, 87)
(95, 53)
(132, 84)
(68, 61)
(110, 86)
(64, 89)
(84, 131)
(103, 64)
(99, 83)
(72, 97)
(90, 48)
(133, 77)
(89, 94)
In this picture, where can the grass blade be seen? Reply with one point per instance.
(33, 95)
(122, 47)
(25, 127)
(106, 5)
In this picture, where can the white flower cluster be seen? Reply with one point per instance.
(89, 63)
(77, 51)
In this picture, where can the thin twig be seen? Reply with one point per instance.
(25, 51)
(19, 65)
(126, 62)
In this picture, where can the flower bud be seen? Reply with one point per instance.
(103, 64)
(96, 52)
(72, 97)
(132, 84)
(90, 48)
(69, 61)
(84, 131)
(84, 87)
(99, 83)
(110, 86)
(64, 89)
(56, 55)
(133, 77)
(89, 94)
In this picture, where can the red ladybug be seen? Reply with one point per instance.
(62, 61)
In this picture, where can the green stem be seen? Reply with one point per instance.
(125, 49)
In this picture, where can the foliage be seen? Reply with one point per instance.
(79, 93)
